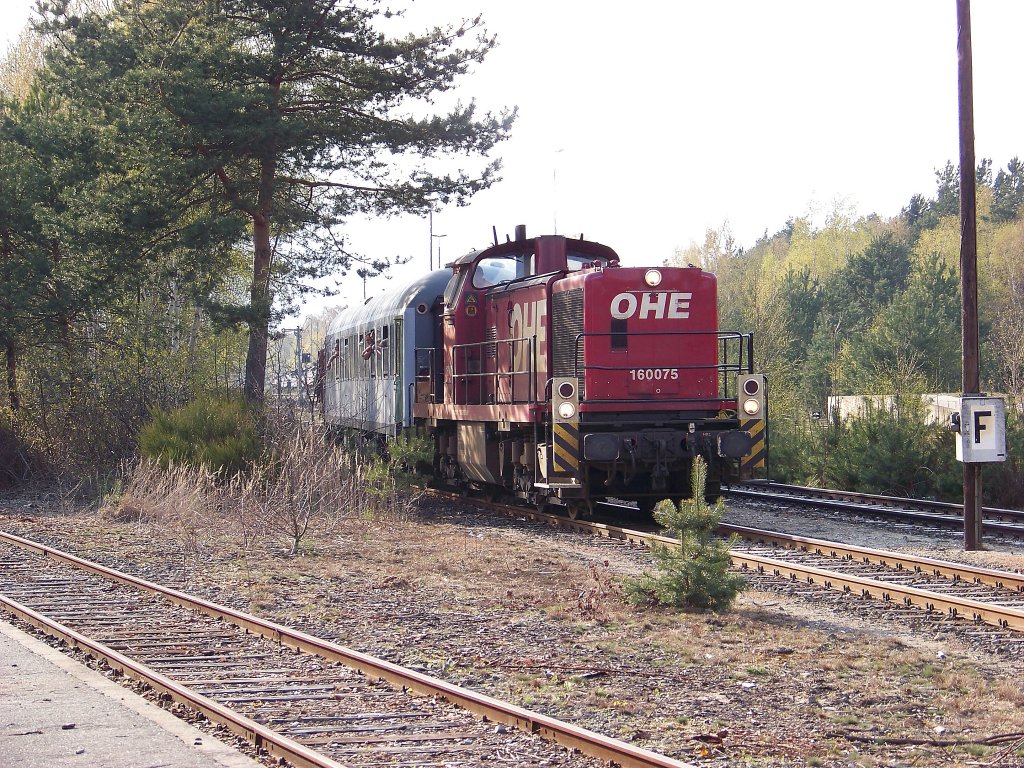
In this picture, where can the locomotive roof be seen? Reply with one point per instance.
(520, 246)
(393, 302)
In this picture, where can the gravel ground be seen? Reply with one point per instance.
(790, 676)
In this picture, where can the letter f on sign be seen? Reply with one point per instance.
(979, 425)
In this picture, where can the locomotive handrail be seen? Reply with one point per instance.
(498, 373)
(745, 349)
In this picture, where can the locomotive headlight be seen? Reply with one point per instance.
(652, 277)
(566, 410)
(751, 406)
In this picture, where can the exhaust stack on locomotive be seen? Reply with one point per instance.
(543, 367)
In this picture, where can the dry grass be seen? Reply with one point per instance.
(306, 489)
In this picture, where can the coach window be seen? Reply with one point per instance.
(381, 351)
(369, 342)
(396, 348)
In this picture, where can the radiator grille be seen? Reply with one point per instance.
(566, 324)
(491, 348)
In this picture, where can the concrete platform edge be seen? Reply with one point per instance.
(218, 752)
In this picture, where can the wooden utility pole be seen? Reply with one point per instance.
(968, 261)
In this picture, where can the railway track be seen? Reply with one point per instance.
(301, 699)
(1008, 522)
(943, 589)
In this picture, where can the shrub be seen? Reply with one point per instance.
(300, 488)
(16, 463)
(215, 433)
(390, 481)
(889, 450)
(696, 574)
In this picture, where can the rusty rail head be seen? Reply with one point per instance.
(996, 615)
(941, 512)
(912, 563)
(570, 736)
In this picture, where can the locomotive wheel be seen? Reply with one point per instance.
(712, 492)
(645, 507)
(580, 509)
(542, 503)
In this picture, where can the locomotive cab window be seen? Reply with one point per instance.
(451, 293)
(498, 270)
(577, 261)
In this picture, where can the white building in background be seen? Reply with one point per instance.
(938, 407)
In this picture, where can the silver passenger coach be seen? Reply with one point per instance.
(371, 358)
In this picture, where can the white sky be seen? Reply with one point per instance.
(678, 116)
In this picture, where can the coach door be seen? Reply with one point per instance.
(398, 373)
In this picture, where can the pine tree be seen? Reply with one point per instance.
(285, 115)
(1008, 192)
(695, 574)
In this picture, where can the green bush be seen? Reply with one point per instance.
(16, 460)
(696, 574)
(793, 446)
(883, 450)
(893, 451)
(216, 433)
(412, 455)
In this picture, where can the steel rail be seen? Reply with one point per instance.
(258, 735)
(945, 568)
(881, 498)
(943, 511)
(565, 734)
(996, 615)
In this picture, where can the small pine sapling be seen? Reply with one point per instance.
(696, 574)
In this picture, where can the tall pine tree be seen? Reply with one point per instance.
(287, 115)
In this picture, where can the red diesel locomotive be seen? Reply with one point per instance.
(548, 370)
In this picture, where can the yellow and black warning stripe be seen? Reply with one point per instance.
(566, 442)
(758, 450)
